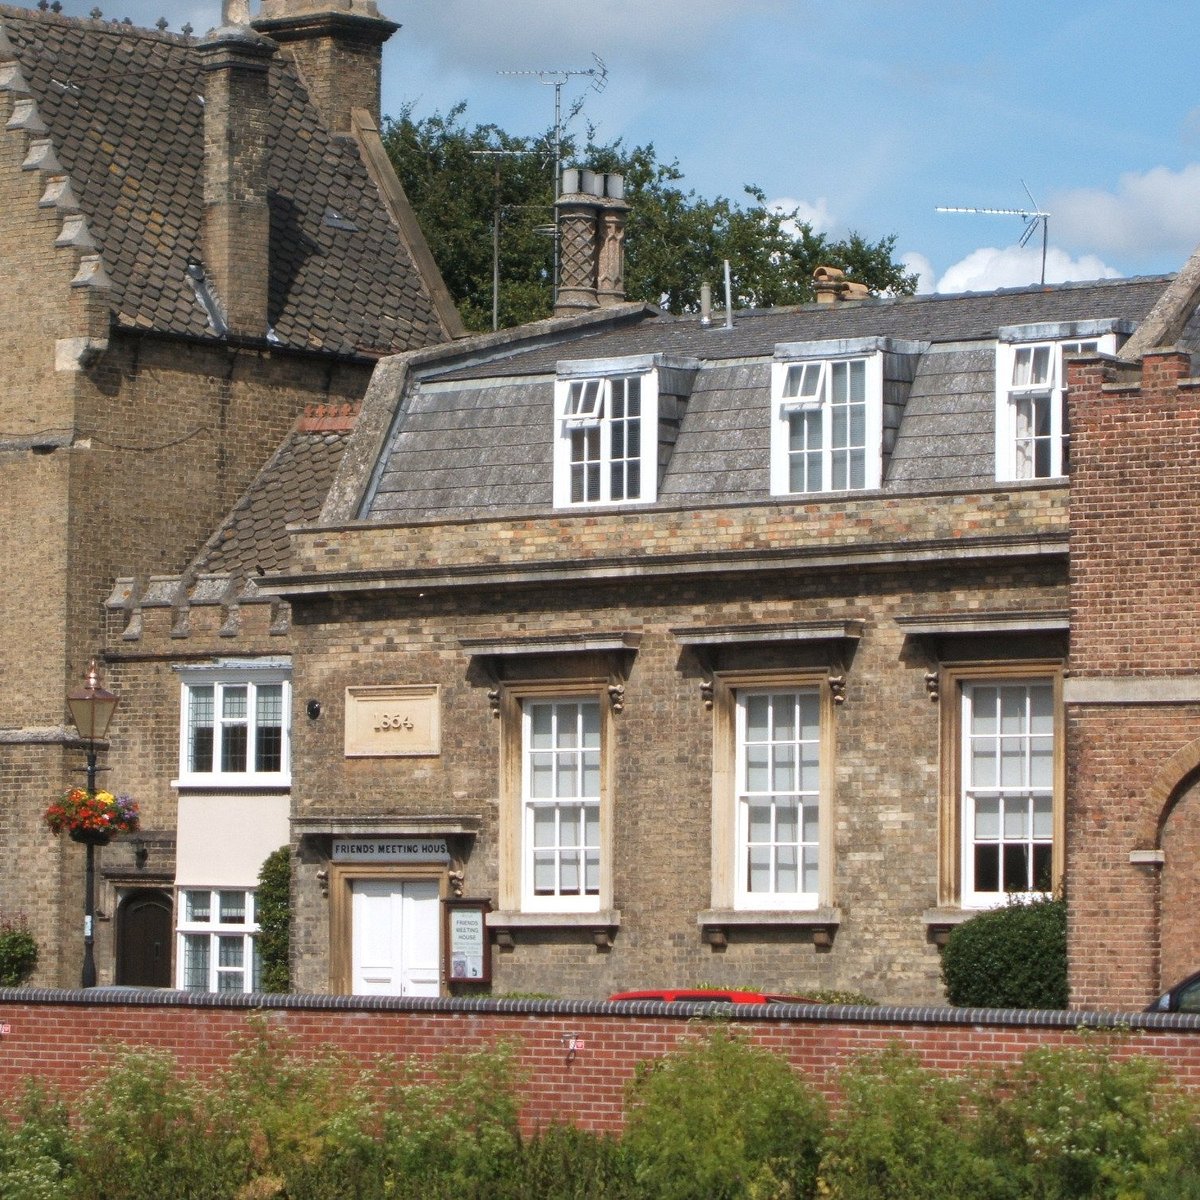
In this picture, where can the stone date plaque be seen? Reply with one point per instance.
(393, 722)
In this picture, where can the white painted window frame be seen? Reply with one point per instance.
(560, 902)
(970, 789)
(1008, 396)
(782, 406)
(220, 678)
(774, 900)
(574, 413)
(214, 930)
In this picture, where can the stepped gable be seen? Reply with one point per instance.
(122, 111)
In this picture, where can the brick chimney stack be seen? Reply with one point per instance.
(237, 220)
(338, 48)
(591, 241)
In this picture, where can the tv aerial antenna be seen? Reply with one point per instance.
(1032, 216)
(559, 78)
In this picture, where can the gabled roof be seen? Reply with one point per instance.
(123, 113)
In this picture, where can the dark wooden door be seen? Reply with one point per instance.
(144, 939)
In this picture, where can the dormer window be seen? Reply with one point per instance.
(1032, 439)
(602, 432)
(615, 423)
(831, 429)
(824, 406)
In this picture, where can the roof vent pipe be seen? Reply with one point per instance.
(728, 298)
(706, 304)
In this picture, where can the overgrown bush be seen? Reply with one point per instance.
(273, 905)
(902, 1132)
(1090, 1124)
(1010, 957)
(721, 1119)
(18, 951)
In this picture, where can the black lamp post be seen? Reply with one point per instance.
(92, 707)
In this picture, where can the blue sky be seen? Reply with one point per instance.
(865, 114)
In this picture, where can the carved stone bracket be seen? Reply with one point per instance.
(323, 880)
(494, 701)
(931, 685)
(837, 685)
(707, 688)
(456, 883)
(616, 696)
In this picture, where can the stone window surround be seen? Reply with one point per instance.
(952, 676)
(719, 690)
(506, 664)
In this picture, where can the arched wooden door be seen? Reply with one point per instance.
(144, 929)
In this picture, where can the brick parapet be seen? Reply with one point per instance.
(891, 527)
(65, 1037)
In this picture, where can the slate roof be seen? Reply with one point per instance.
(477, 440)
(253, 538)
(124, 115)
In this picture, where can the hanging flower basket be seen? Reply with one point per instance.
(92, 818)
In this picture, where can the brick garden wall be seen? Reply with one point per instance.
(62, 1036)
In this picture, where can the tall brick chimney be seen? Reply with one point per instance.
(237, 220)
(337, 46)
(591, 241)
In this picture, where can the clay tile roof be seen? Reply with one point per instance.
(126, 122)
(291, 488)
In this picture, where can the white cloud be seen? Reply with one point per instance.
(918, 265)
(815, 214)
(988, 268)
(1151, 212)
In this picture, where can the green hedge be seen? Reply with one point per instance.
(1010, 957)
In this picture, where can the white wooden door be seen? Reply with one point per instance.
(396, 937)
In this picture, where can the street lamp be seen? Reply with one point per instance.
(92, 707)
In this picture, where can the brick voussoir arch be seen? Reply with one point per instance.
(1170, 783)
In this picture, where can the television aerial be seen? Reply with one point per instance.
(1032, 216)
(559, 78)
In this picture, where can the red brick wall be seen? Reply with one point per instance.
(60, 1036)
(1135, 592)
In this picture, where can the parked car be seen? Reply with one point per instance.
(1184, 997)
(709, 996)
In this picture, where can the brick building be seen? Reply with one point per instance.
(201, 237)
(740, 654)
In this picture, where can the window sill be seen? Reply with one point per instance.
(941, 922)
(716, 922)
(229, 783)
(601, 925)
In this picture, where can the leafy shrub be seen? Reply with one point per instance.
(35, 1148)
(839, 996)
(1088, 1124)
(1010, 957)
(565, 1163)
(721, 1119)
(274, 908)
(18, 951)
(901, 1133)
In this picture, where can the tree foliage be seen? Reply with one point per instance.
(273, 902)
(675, 239)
